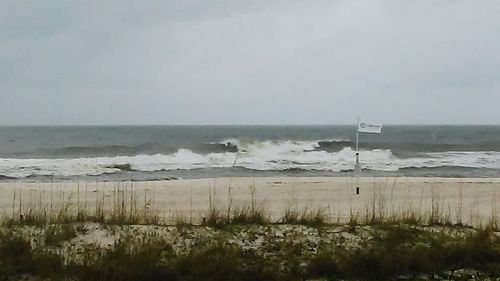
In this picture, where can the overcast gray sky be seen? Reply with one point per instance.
(249, 62)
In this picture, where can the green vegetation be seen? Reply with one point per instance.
(240, 216)
(315, 218)
(238, 242)
(18, 258)
(57, 234)
(388, 252)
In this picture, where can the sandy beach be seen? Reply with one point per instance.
(459, 200)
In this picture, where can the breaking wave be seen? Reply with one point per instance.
(334, 155)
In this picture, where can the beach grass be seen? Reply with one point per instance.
(126, 205)
(391, 251)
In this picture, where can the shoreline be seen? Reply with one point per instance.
(239, 172)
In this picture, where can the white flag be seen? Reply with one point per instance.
(369, 127)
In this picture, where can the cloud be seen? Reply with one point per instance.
(240, 62)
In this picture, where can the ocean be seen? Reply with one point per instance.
(174, 152)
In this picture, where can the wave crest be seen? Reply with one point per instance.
(262, 156)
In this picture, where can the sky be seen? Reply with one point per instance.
(249, 62)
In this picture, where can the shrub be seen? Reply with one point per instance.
(126, 261)
(56, 234)
(16, 256)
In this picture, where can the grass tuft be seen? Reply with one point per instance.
(246, 215)
(314, 218)
(57, 234)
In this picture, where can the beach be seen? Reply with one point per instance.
(471, 201)
(396, 228)
(249, 140)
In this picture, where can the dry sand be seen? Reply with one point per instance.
(469, 200)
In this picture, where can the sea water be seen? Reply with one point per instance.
(171, 152)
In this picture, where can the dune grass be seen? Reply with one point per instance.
(126, 205)
(392, 251)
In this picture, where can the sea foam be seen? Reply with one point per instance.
(262, 155)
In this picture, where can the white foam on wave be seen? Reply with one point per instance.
(281, 147)
(233, 141)
(182, 159)
(265, 155)
(277, 146)
(469, 159)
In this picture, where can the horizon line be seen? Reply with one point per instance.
(243, 125)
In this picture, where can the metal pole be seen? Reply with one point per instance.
(357, 167)
(357, 136)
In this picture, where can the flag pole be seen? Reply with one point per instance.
(369, 128)
(357, 167)
(357, 135)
